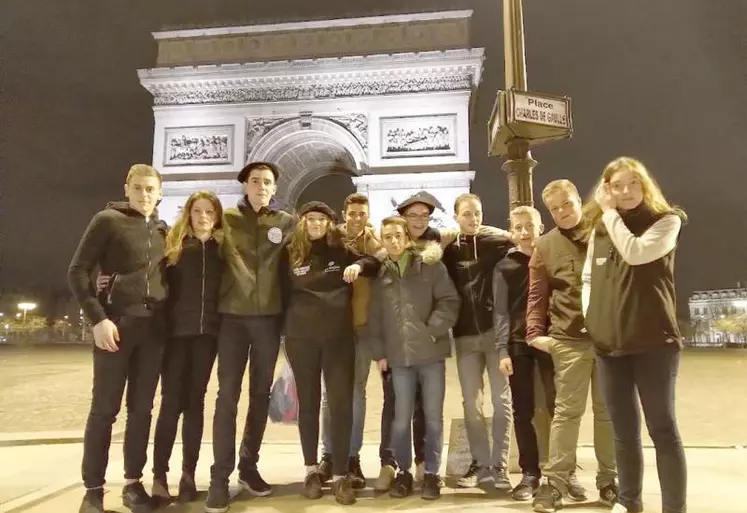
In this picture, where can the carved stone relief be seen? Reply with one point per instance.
(374, 87)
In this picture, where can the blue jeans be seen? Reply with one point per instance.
(362, 369)
(432, 379)
(651, 377)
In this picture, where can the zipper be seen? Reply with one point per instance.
(202, 297)
(256, 261)
(147, 272)
(111, 290)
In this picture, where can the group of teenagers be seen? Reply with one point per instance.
(588, 305)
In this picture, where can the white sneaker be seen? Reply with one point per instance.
(386, 478)
(619, 508)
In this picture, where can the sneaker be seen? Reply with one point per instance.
(419, 472)
(325, 468)
(343, 490)
(526, 488)
(253, 483)
(402, 486)
(431, 487)
(500, 477)
(136, 499)
(160, 490)
(386, 478)
(548, 499)
(609, 494)
(187, 488)
(356, 474)
(469, 479)
(619, 508)
(217, 499)
(576, 491)
(312, 486)
(93, 501)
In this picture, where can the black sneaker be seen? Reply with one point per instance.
(343, 490)
(187, 488)
(609, 494)
(135, 498)
(217, 499)
(469, 479)
(431, 487)
(253, 483)
(312, 486)
(325, 468)
(576, 490)
(402, 486)
(356, 474)
(93, 501)
(548, 499)
(526, 488)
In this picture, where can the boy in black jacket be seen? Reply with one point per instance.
(126, 240)
(510, 290)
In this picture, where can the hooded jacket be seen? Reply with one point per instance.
(412, 311)
(510, 291)
(130, 249)
(471, 261)
(259, 238)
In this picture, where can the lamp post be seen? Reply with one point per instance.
(26, 307)
(519, 162)
(521, 119)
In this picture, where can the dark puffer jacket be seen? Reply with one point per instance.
(411, 315)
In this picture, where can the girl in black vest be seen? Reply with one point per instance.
(316, 272)
(198, 252)
(629, 304)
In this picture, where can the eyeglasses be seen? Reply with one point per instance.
(421, 217)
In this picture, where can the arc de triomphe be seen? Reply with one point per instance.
(383, 100)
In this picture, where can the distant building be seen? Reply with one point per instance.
(707, 307)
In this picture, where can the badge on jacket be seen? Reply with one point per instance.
(275, 235)
(601, 260)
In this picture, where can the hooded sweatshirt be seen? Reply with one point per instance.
(129, 248)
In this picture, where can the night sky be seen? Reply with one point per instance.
(663, 81)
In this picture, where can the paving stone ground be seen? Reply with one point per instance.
(47, 389)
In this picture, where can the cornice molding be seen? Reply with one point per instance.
(359, 76)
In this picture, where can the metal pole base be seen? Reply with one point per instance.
(519, 165)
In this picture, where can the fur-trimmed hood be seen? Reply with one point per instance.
(431, 253)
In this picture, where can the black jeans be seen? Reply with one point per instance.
(335, 360)
(137, 364)
(522, 392)
(654, 375)
(387, 417)
(187, 365)
(242, 338)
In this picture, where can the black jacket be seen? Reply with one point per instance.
(471, 260)
(512, 277)
(316, 300)
(632, 308)
(194, 289)
(128, 248)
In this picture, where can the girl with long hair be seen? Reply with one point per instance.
(629, 304)
(316, 273)
(198, 253)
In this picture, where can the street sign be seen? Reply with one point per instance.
(538, 118)
(541, 110)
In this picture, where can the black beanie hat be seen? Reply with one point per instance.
(317, 206)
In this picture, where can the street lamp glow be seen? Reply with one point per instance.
(26, 307)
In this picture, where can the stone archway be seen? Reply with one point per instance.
(307, 149)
